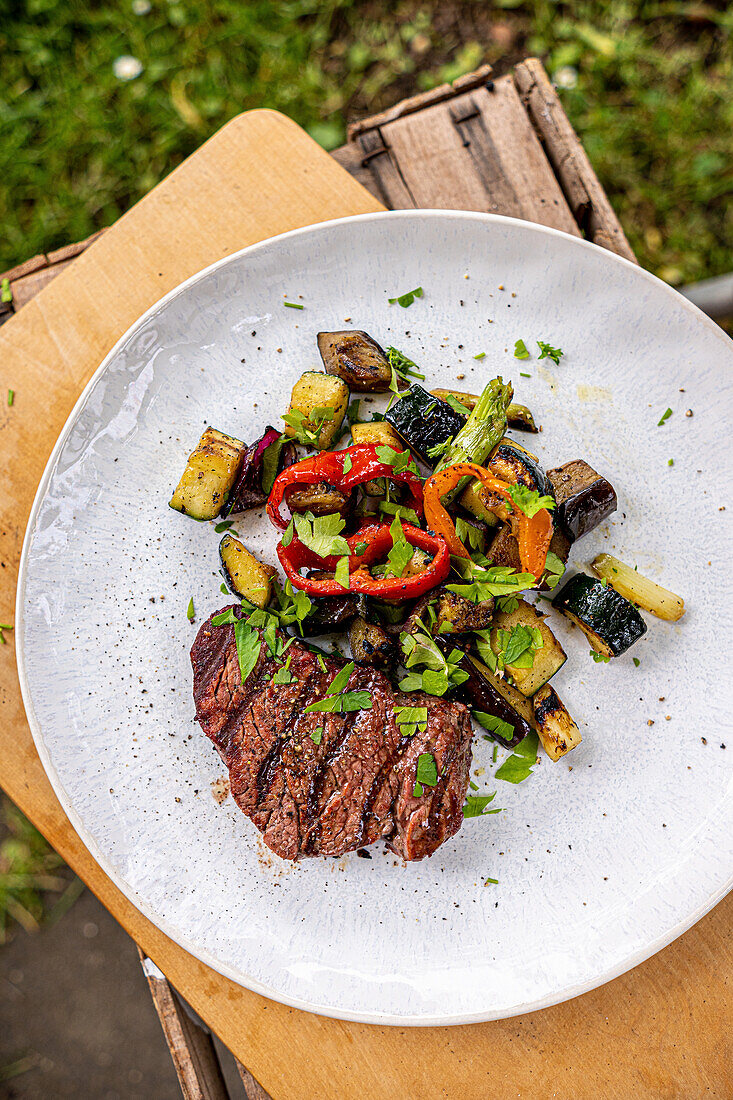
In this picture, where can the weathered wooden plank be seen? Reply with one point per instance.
(28, 266)
(586, 198)
(191, 1046)
(350, 157)
(393, 190)
(252, 1088)
(420, 102)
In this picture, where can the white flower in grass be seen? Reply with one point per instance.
(566, 77)
(127, 67)
(141, 7)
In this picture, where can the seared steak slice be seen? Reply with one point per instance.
(356, 784)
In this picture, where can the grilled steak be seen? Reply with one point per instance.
(352, 788)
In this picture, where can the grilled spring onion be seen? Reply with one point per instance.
(639, 589)
(483, 429)
(210, 472)
(557, 730)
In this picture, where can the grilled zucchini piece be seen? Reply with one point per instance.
(355, 357)
(557, 730)
(610, 622)
(584, 498)
(313, 394)
(546, 661)
(379, 432)
(210, 472)
(371, 644)
(424, 422)
(639, 589)
(245, 576)
(457, 615)
(489, 507)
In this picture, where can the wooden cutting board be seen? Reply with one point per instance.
(661, 1031)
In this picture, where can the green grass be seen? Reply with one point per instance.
(77, 146)
(651, 102)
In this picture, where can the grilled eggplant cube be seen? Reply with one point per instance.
(314, 391)
(321, 500)
(353, 356)
(371, 644)
(424, 422)
(210, 472)
(330, 614)
(639, 589)
(487, 692)
(378, 432)
(457, 615)
(546, 661)
(557, 730)
(245, 576)
(584, 498)
(504, 549)
(610, 622)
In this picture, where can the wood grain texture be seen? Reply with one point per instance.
(586, 198)
(661, 1031)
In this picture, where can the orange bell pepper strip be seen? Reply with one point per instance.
(533, 533)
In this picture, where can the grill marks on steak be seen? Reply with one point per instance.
(356, 785)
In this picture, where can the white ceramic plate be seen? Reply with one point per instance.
(602, 858)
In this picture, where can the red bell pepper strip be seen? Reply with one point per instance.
(533, 534)
(373, 542)
(365, 465)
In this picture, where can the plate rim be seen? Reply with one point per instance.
(628, 963)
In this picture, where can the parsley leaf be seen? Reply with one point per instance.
(284, 675)
(439, 449)
(455, 404)
(486, 580)
(547, 351)
(316, 735)
(270, 463)
(294, 604)
(518, 766)
(401, 552)
(494, 725)
(190, 613)
(411, 719)
(348, 463)
(426, 774)
(440, 673)
(307, 429)
(529, 501)
(408, 298)
(6, 293)
(554, 569)
(392, 509)
(507, 604)
(469, 535)
(248, 647)
(321, 534)
(477, 803)
(336, 702)
(599, 658)
(520, 350)
(398, 460)
(665, 416)
(352, 412)
(342, 572)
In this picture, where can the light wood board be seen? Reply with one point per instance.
(661, 1031)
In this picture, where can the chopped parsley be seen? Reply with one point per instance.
(337, 700)
(439, 449)
(293, 305)
(411, 719)
(493, 881)
(523, 375)
(517, 647)
(520, 350)
(554, 570)
(408, 298)
(409, 515)
(398, 460)
(670, 461)
(6, 294)
(223, 526)
(11, 397)
(665, 416)
(507, 604)
(401, 552)
(294, 605)
(470, 536)
(494, 754)
(352, 412)
(599, 658)
(3, 627)
(307, 429)
(440, 672)
(270, 463)
(477, 803)
(481, 355)
(485, 581)
(518, 766)
(190, 613)
(248, 647)
(316, 735)
(284, 675)
(321, 534)
(494, 725)
(529, 501)
(223, 588)
(348, 463)
(426, 774)
(341, 575)
(636, 661)
(548, 352)
(455, 404)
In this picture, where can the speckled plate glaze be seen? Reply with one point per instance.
(601, 859)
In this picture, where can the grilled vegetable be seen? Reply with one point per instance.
(518, 416)
(209, 475)
(610, 622)
(484, 428)
(263, 460)
(557, 730)
(321, 499)
(456, 615)
(482, 503)
(329, 614)
(424, 422)
(417, 563)
(370, 644)
(639, 589)
(317, 407)
(379, 432)
(486, 692)
(355, 357)
(512, 463)
(504, 549)
(245, 576)
(545, 661)
(584, 498)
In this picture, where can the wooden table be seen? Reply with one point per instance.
(662, 1030)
